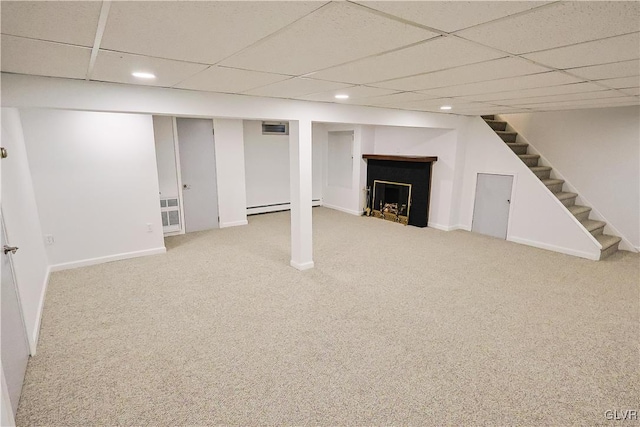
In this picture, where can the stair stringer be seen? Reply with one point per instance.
(536, 217)
(609, 228)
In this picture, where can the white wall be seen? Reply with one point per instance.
(23, 224)
(96, 184)
(230, 174)
(427, 142)
(165, 156)
(537, 218)
(597, 152)
(267, 168)
(347, 199)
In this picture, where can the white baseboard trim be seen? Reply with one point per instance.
(108, 258)
(442, 227)
(554, 248)
(338, 208)
(461, 227)
(233, 223)
(33, 344)
(302, 266)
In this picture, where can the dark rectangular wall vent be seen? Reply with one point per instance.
(275, 128)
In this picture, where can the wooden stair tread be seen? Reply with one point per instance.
(517, 144)
(529, 156)
(591, 224)
(539, 168)
(607, 241)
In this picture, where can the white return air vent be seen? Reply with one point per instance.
(275, 128)
(170, 211)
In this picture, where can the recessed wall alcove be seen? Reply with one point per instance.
(392, 174)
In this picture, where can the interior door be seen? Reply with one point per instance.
(198, 171)
(491, 209)
(15, 347)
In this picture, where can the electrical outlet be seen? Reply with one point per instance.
(149, 228)
(48, 239)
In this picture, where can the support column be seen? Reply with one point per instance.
(300, 179)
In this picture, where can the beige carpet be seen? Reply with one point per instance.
(395, 326)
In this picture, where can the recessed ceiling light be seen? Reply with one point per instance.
(446, 107)
(341, 96)
(142, 75)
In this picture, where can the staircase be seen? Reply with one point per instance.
(596, 228)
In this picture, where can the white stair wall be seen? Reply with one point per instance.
(537, 218)
(625, 244)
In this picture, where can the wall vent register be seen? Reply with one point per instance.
(275, 128)
(170, 212)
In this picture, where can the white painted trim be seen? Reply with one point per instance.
(625, 244)
(233, 223)
(440, 226)
(176, 150)
(36, 332)
(302, 266)
(460, 227)
(554, 248)
(109, 258)
(338, 208)
(277, 208)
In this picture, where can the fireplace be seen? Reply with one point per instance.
(399, 188)
(391, 201)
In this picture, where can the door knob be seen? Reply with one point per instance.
(3, 153)
(186, 186)
(8, 249)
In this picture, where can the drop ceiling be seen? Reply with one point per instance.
(479, 57)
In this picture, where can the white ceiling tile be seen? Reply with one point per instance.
(631, 91)
(608, 71)
(229, 80)
(511, 83)
(529, 93)
(560, 24)
(621, 83)
(601, 94)
(26, 56)
(355, 93)
(72, 22)
(197, 31)
(117, 67)
(335, 34)
(451, 16)
(295, 88)
(395, 99)
(436, 54)
(614, 49)
(627, 100)
(490, 70)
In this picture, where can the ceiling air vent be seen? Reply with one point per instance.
(275, 128)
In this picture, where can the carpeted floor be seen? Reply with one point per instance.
(395, 326)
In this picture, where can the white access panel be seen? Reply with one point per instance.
(492, 203)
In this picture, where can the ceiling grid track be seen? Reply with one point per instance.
(102, 24)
